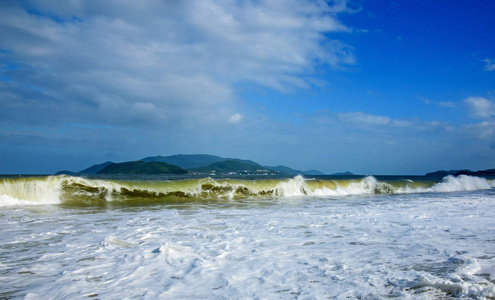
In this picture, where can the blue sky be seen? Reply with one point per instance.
(373, 87)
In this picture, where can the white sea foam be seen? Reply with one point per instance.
(425, 245)
(291, 188)
(360, 187)
(6, 200)
(461, 183)
(299, 186)
(402, 246)
(457, 288)
(31, 191)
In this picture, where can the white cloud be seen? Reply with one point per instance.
(489, 65)
(441, 104)
(480, 107)
(449, 104)
(183, 57)
(378, 123)
(425, 101)
(235, 118)
(364, 119)
(482, 130)
(484, 109)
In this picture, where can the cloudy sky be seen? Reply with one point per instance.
(369, 86)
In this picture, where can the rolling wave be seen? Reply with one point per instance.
(82, 191)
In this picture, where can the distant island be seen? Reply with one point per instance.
(141, 167)
(313, 173)
(232, 166)
(443, 173)
(347, 173)
(208, 165)
(195, 164)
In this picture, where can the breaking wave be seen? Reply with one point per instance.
(82, 191)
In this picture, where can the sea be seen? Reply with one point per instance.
(313, 237)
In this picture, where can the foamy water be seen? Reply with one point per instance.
(425, 245)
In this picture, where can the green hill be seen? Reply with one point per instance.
(489, 172)
(313, 172)
(346, 173)
(201, 163)
(229, 166)
(186, 161)
(193, 161)
(141, 167)
(285, 170)
(443, 173)
(89, 171)
(95, 168)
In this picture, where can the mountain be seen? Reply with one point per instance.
(313, 172)
(443, 173)
(186, 161)
(245, 161)
(228, 166)
(95, 168)
(489, 172)
(289, 171)
(141, 167)
(89, 171)
(285, 170)
(193, 161)
(347, 173)
(202, 163)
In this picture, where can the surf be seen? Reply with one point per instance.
(75, 190)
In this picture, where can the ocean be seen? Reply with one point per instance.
(66, 237)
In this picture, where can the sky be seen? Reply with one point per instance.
(367, 86)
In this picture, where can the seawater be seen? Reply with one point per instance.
(294, 238)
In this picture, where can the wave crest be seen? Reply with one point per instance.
(461, 183)
(82, 191)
